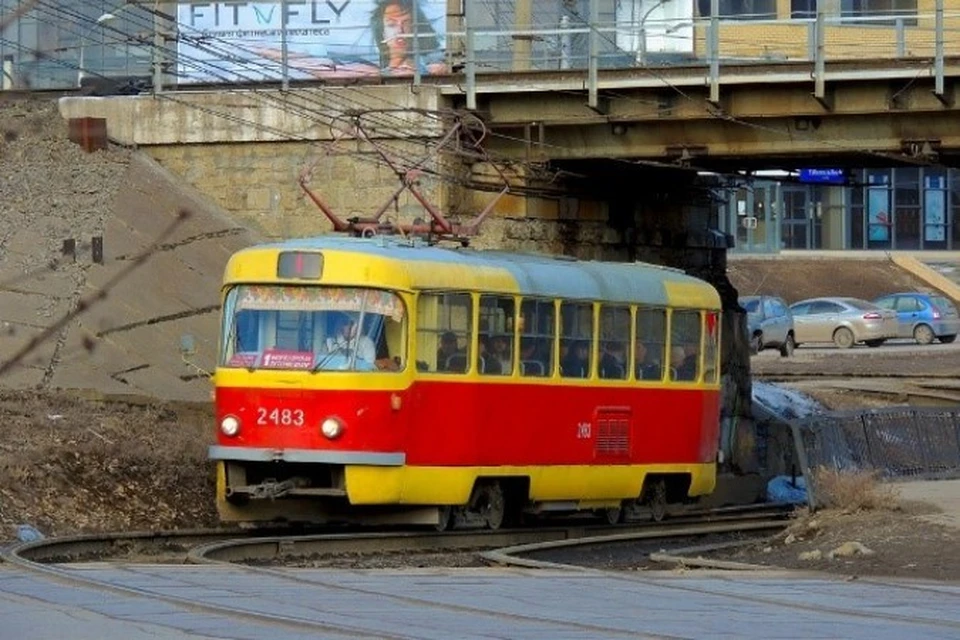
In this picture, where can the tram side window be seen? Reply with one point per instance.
(576, 339)
(711, 347)
(614, 340)
(495, 342)
(685, 345)
(648, 350)
(536, 337)
(444, 332)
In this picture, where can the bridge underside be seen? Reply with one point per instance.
(764, 121)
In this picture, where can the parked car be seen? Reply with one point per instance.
(769, 324)
(923, 316)
(843, 321)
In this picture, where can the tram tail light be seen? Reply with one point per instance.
(230, 426)
(331, 427)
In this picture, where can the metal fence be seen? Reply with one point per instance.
(902, 442)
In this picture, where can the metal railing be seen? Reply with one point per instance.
(900, 442)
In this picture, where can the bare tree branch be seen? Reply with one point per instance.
(85, 304)
(16, 13)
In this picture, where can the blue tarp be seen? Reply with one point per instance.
(787, 490)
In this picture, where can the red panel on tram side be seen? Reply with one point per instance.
(291, 419)
(461, 424)
(512, 424)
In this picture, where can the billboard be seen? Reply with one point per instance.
(243, 41)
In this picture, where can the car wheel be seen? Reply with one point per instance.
(787, 349)
(948, 339)
(756, 343)
(875, 343)
(843, 338)
(923, 334)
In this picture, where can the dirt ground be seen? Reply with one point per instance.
(70, 465)
(798, 279)
(886, 542)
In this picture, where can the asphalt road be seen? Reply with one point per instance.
(895, 358)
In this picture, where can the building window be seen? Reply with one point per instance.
(879, 12)
(856, 213)
(879, 223)
(741, 9)
(906, 212)
(803, 9)
(934, 209)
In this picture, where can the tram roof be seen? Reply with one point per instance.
(534, 274)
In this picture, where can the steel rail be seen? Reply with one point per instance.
(26, 556)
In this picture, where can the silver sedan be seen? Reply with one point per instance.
(842, 321)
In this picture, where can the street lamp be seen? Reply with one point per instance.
(107, 17)
(103, 19)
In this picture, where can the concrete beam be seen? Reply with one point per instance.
(887, 138)
(258, 115)
(742, 101)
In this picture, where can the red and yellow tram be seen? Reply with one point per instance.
(386, 380)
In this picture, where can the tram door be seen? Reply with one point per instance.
(752, 212)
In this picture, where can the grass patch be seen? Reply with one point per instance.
(853, 491)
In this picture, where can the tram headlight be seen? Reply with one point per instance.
(230, 426)
(332, 428)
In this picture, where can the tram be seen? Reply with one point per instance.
(387, 380)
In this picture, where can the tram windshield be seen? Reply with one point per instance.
(313, 328)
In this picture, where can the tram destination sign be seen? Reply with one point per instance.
(823, 176)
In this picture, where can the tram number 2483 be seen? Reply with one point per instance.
(280, 417)
(583, 431)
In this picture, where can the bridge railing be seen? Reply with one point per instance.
(656, 46)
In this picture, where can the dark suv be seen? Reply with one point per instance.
(769, 324)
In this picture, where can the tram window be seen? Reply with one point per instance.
(648, 350)
(711, 347)
(320, 329)
(444, 322)
(685, 345)
(495, 342)
(614, 340)
(537, 331)
(576, 339)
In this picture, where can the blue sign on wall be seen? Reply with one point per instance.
(823, 176)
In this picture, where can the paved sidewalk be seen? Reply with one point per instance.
(944, 494)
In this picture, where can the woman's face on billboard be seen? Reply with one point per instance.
(397, 23)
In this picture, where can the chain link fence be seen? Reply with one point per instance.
(901, 442)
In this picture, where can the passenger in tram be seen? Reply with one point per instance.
(530, 361)
(449, 348)
(577, 362)
(612, 360)
(501, 348)
(487, 363)
(647, 367)
(684, 359)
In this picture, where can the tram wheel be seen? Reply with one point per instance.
(490, 504)
(657, 501)
(444, 518)
(613, 515)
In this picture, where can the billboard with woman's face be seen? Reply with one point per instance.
(243, 41)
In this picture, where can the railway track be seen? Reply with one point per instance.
(225, 549)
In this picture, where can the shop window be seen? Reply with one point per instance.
(934, 209)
